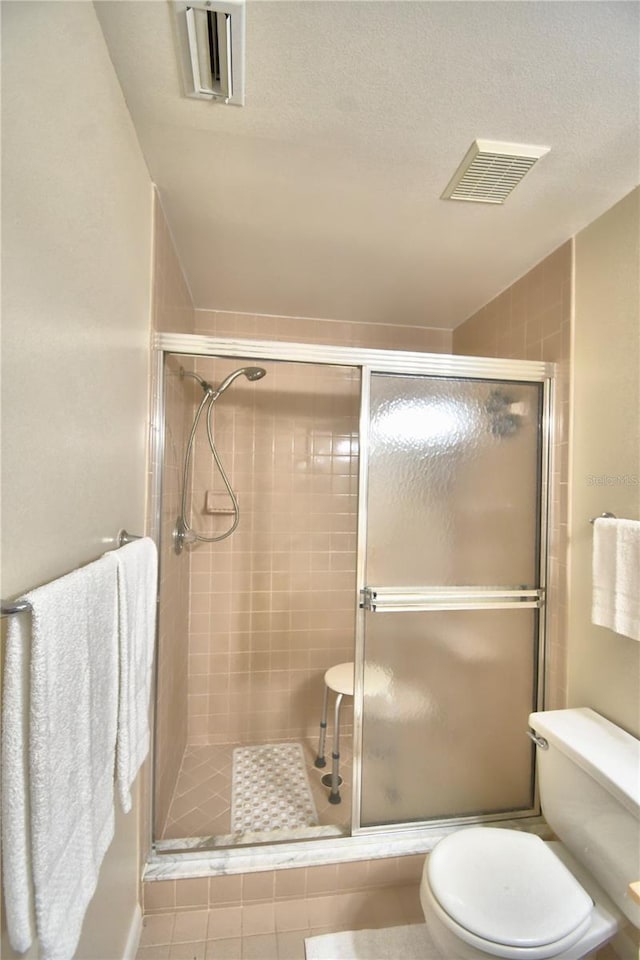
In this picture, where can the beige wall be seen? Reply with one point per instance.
(531, 321)
(172, 302)
(604, 668)
(76, 263)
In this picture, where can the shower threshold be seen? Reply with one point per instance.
(190, 862)
(248, 839)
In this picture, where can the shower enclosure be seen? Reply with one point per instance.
(393, 513)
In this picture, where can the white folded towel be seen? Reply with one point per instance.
(616, 576)
(71, 751)
(137, 591)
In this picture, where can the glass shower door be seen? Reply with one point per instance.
(450, 599)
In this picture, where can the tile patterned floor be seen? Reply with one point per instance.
(201, 804)
(272, 931)
(277, 931)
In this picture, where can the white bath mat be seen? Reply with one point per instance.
(409, 942)
(270, 789)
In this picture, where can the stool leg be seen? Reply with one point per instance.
(320, 760)
(334, 796)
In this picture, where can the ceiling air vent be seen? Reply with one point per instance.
(490, 171)
(211, 40)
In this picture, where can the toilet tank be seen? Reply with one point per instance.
(589, 780)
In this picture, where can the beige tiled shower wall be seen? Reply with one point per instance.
(531, 320)
(172, 310)
(378, 336)
(273, 606)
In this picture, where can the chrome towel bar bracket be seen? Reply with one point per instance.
(9, 607)
(124, 537)
(603, 516)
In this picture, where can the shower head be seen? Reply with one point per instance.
(251, 373)
(255, 373)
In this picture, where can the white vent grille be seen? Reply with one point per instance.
(211, 41)
(490, 171)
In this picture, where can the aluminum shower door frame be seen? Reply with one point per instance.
(460, 598)
(402, 837)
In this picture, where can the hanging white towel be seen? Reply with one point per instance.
(16, 826)
(72, 736)
(627, 620)
(616, 576)
(137, 591)
(603, 573)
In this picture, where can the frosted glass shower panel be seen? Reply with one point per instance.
(453, 481)
(446, 701)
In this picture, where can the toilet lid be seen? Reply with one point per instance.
(506, 887)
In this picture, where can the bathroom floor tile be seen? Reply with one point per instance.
(261, 947)
(332, 914)
(158, 951)
(190, 926)
(188, 951)
(324, 914)
(157, 928)
(224, 949)
(291, 945)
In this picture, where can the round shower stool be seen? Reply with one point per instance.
(340, 680)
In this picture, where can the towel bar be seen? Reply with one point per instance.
(123, 537)
(604, 516)
(9, 608)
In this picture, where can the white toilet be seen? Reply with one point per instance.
(490, 892)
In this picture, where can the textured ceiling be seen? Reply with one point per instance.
(320, 197)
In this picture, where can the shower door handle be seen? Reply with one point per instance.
(419, 599)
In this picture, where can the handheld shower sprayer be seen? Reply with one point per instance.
(183, 532)
(251, 373)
